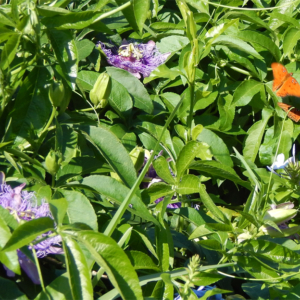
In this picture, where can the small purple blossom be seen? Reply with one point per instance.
(135, 58)
(23, 206)
(200, 292)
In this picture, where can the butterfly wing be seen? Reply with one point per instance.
(293, 114)
(280, 73)
(289, 88)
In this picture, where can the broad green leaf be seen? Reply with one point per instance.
(291, 39)
(116, 191)
(262, 40)
(35, 111)
(9, 50)
(254, 138)
(217, 146)
(9, 259)
(186, 156)
(120, 100)
(271, 251)
(161, 167)
(155, 191)
(210, 245)
(188, 185)
(113, 151)
(172, 43)
(78, 270)
(76, 20)
(28, 232)
(140, 260)
(115, 262)
(135, 88)
(59, 289)
(246, 91)
(211, 168)
(65, 50)
(10, 290)
(87, 79)
(6, 20)
(51, 11)
(84, 48)
(256, 268)
(80, 209)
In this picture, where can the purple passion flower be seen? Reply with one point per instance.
(200, 292)
(23, 206)
(135, 58)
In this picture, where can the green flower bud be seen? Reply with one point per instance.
(101, 89)
(279, 215)
(53, 162)
(56, 93)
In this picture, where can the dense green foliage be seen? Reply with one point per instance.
(78, 132)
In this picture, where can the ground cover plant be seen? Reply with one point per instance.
(147, 151)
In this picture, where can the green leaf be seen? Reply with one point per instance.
(116, 191)
(28, 232)
(9, 51)
(140, 260)
(10, 290)
(113, 151)
(188, 185)
(58, 288)
(6, 20)
(236, 42)
(211, 168)
(262, 40)
(291, 39)
(87, 79)
(256, 268)
(210, 245)
(157, 190)
(76, 20)
(161, 167)
(135, 88)
(84, 48)
(210, 205)
(246, 91)
(120, 100)
(80, 209)
(65, 50)
(115, 262)
(271, 251)
(78, 270)
(255, 135)
(172, 43)
(217, 146)
(186, 156)
(35, 111)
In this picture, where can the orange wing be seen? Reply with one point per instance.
(280, 73)
(293, 114)
(289, 88)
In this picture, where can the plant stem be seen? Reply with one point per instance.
(50, 120)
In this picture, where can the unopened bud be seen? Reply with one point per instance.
(137, 156)
(56, 93)
(101, 90)
(53, 162)
(280, 215)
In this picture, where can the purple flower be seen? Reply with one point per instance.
(200, 292)
(135, 58)
(23, 206)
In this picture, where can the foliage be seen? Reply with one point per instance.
(87, 138)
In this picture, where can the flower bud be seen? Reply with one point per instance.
(56, 93)
(279, 215)
(101, 90)
(53, 162)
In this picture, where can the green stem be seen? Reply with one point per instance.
(50, 120)
(108, 14)
(192, 98)
(39, 271)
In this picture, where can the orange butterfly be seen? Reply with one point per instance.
(286, 85)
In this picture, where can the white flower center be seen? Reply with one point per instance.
(130, 51)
